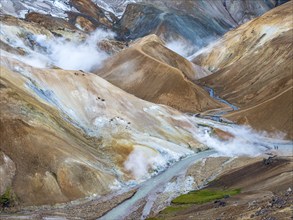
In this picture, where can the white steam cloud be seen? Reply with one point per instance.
(137, 163)
(206, 49)
(140, 162)
(239, 141)
(73, 56)
(244, 141)
(188, 49)
(83, 55)
(181, 48)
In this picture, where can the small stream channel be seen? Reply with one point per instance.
(218, 115)
(212, 94)
(152, 185)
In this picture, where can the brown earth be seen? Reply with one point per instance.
(49, 22)
(154, 73)
(48, 152)
(272, 115)
(252, 68)
(87, 7)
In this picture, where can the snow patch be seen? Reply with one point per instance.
(20, 8)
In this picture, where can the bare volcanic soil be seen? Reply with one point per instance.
(252, 69)
(150, 71)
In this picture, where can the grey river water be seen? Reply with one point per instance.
(150, 186)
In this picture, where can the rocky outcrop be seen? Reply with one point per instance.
(143, 19)
(252, 68)
(7, 172)
(243, 11)
(196, 23)
(49, 22)
(93, 11)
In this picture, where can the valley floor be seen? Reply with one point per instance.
(265, 183)
(266, 193)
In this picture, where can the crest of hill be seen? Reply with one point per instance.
(252, 67)
(150, 71)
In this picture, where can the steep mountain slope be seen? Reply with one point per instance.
(192, 23)
(154, 73)
(274, 114)
(233, 12)
(195, 23)
(197, 30)
(71, 134)
(243, 11)
(252, 66)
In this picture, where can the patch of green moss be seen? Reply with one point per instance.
(204, 125)
(203, 196)
(152, 218)
(172, 209)
(7, 199)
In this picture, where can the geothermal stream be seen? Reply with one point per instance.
(212, 94)
(151, 187)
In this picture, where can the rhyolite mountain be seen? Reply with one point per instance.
(251, 67)
(71, 132)
(194, 22)
(68, 134)
(150, 71)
